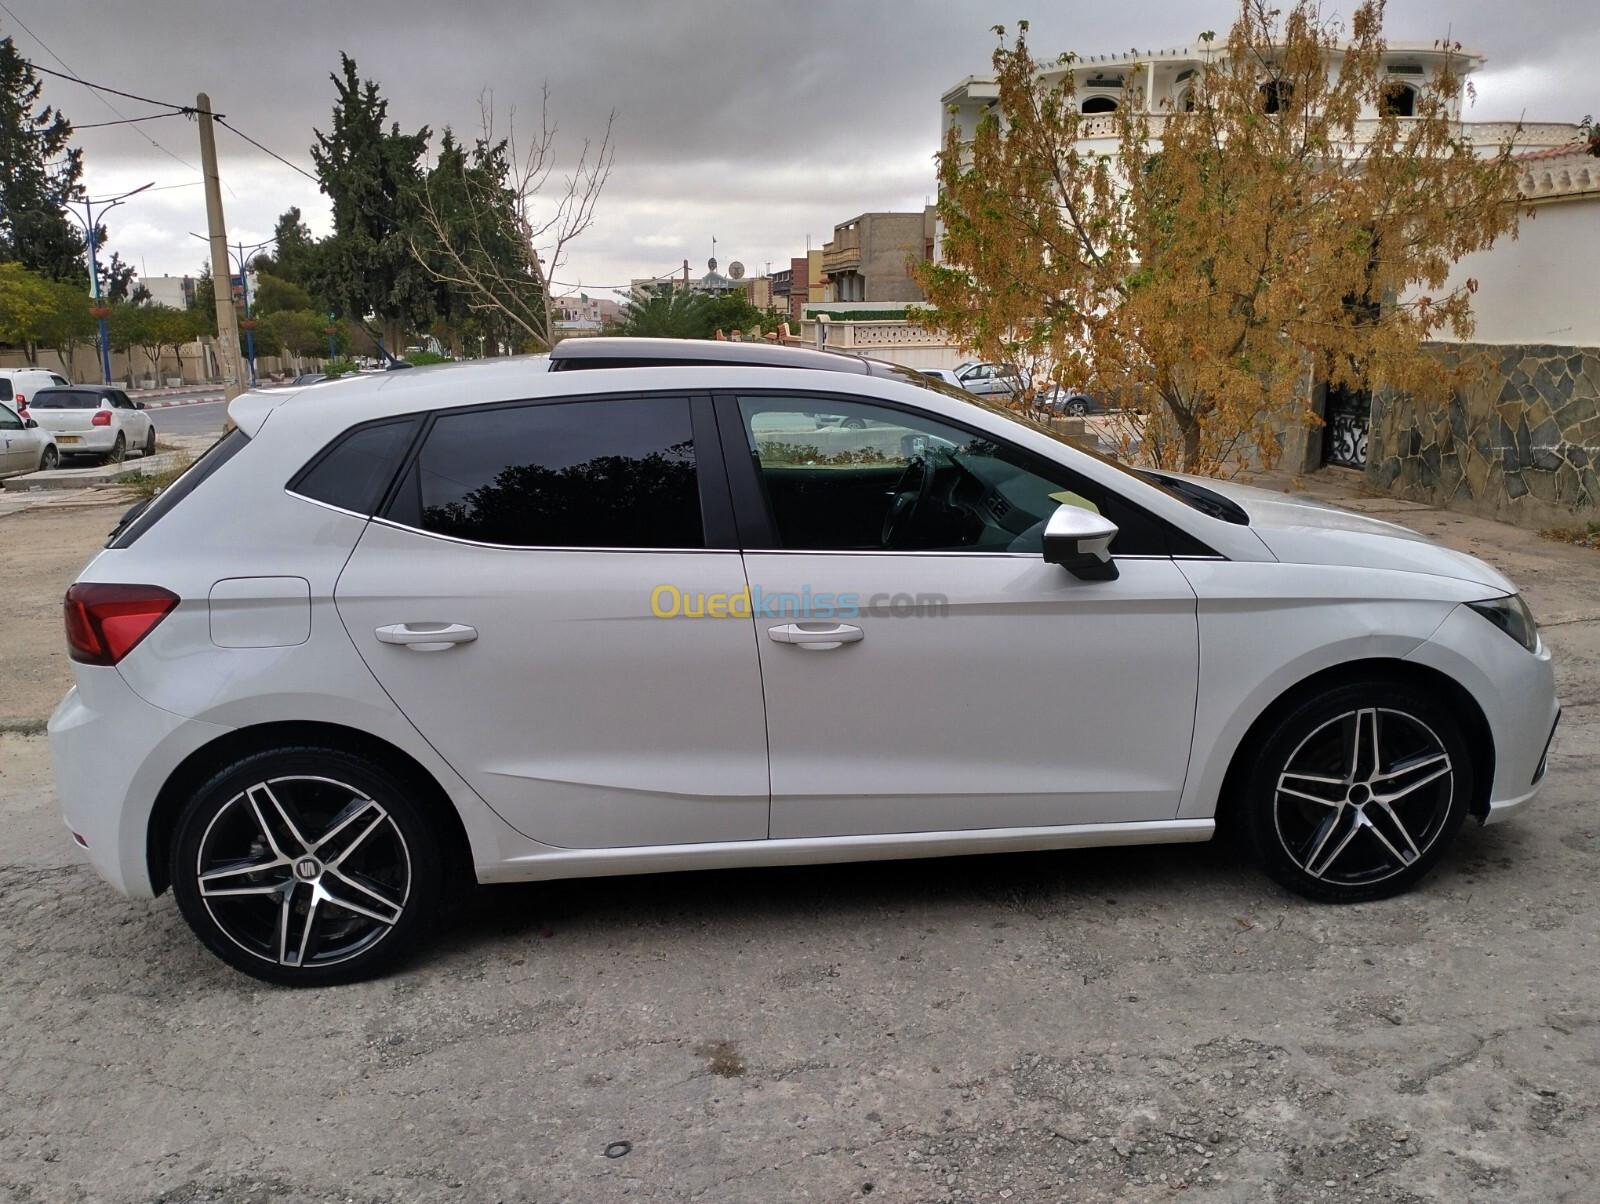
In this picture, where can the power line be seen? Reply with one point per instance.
(64, 67)
(100, 125)
(167, 104)
(267, 151)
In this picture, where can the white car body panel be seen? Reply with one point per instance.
(574, 713)
(1302, 589)
(21, 446)
(1024, 703)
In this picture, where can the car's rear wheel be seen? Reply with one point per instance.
(119, 450)
(150, 442)
(50, 459)
(306, 866)
(1357, 793)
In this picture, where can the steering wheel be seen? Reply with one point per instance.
(908, 502)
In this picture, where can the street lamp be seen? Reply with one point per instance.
(100, 311)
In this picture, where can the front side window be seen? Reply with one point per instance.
(9, 420)
(855, 476)
(577, 474)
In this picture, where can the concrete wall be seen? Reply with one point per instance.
(1540, 288)
(1521, 442)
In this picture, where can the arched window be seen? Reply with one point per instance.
(1186, 100)
(1100, 104)
(1398, 100)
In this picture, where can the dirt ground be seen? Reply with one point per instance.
(1131, 1025)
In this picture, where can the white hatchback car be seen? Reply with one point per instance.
(494, 622)
(95, 420)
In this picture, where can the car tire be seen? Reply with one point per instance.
(1077, 409)
(150, 442)
(854, 424)
(50, 459)
(1356, 793)
(307, 866)
(119, 450)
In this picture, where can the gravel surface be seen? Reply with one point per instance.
(1132, 1025)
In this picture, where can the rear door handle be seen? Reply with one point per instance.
(816, 636)
(426, 637)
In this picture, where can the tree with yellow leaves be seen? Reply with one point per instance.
(1287, 225)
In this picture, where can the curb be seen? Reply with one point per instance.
(178, 401)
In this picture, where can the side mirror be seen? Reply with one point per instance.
(1079, 541)
(138, 405)
(30, 423)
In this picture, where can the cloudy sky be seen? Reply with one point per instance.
(756, 122)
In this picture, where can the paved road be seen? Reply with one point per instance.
(202, 418)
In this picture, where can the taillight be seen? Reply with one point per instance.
(106, 622)
(21, 401)
(101, 418)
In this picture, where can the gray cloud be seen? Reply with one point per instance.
(759, 123)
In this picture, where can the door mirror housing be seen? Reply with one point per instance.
(1079, 541)
(138, 405)
(30, 423)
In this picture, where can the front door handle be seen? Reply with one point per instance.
(815, 636)
(426, 637)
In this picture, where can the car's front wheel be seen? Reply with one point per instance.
(50, 459)
(306, 866)
(1355, 794)
(150, 442)
(1077, 408)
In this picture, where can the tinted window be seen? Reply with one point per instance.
(6, 393)
(59, 380)
(618, 474)
(851, 476)
(356, 468)
(9, 420)
(66, 399)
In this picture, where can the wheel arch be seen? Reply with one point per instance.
(209, 758)
(1457, 699)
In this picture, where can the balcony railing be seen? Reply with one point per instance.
(840, 259)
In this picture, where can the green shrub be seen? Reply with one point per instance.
(338, 368)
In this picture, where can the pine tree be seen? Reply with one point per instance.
(372, 177)
(39, 173)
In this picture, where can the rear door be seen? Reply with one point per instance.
(553, 597)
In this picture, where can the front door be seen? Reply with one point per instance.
(924, 668)
(511, 604)
(16, 446)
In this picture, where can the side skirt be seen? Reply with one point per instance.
(820, 850)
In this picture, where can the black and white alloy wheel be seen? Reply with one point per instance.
(308, 867)
(1358, 793)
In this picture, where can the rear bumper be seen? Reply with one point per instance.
(97, 439)
(112, 753)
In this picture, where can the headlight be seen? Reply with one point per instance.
(1512, 616)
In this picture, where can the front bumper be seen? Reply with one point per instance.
(112, 753)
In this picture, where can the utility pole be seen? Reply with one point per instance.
(221, 276)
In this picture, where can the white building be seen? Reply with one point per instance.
(1165, 77)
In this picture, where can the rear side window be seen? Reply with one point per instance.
(142, 517)
(577, 474)
(6, 392)
(67, 399)
(353, 472)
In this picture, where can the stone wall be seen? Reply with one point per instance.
(1520, 442)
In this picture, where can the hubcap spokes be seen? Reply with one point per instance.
(1364, 796)
(304, 871)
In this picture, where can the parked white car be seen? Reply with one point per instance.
(95, 420)
(17, 385)
(497, 623)
(25, 446)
